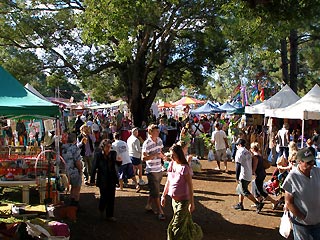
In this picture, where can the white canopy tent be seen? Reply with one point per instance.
(308, 107)
(285, 97)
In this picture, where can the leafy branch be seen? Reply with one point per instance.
(207, 141)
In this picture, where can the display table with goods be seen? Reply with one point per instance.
(40, 221)
(25, 169)
(23, 165)
(21, 221)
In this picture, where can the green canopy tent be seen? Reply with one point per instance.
(17, 101)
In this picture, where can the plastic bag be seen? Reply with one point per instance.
(195, 165)
(278, 148)
(285, 225)
(210, 155)
(229, 153)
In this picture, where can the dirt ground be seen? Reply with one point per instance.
(214, 196)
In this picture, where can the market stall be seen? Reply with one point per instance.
(306, 108)
(17, 159)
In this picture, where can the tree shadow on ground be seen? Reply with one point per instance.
(134, 223)
(214, 175)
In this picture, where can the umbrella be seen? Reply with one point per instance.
(165, 105)
(187, 101)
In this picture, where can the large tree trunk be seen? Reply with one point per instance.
(138, 98)
(293, 40)
(284, 61)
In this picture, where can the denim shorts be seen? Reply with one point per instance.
(135, 161)
(126, 171)
(75, 179)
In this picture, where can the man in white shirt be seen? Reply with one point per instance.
(135, 153)
(126, 169)
(283, 138)
(302, 196)
(243, 161)
(220, 141)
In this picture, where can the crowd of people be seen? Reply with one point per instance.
(109, 162)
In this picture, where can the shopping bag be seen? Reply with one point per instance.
(278, 148)
(285, 225)
(229, 153)
(210, 155)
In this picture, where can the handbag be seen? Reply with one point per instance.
(285, 225)
(265, 162)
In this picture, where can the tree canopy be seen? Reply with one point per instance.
(135, 48)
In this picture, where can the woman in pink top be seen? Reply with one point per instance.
(179, 187)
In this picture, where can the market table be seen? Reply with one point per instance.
(25, 187)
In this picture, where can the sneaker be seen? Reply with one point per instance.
(141, 182)
(259, 206)
(239, 206)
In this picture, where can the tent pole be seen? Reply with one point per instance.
(263, 136)
(302, 133)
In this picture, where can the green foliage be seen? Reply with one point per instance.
(255, 29)
(136, 48)
(154, 45)
(207, 141)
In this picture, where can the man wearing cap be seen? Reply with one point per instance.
(134, 148)
(302, 197)
(243, 161)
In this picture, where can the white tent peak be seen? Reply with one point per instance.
(285, 97)
(308, 107)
